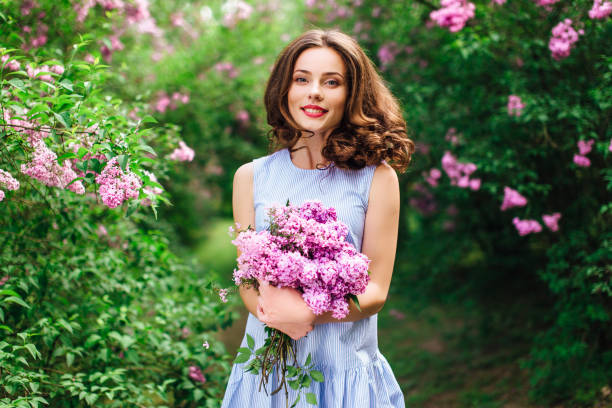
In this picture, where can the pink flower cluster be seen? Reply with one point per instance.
(459, 173)
(149, 190)
(228, 68)
(45, 168)
(453, 14)
(25, 127)
(235, 11)
(305, 248)
(425, 203)
(546, 3)
(584, 148)
(182, 153)
(107, 50)
(515, 105)
(387, 53)
(82, 7)
(11, 65)
(33, 72)
(563, 38)
(9, 182)
(165, 102)
(525, 227)
(196, 374)
(600, 9)
(117, 186)
(512, 198)
(452, 136)
(433, 177)
(38, 38)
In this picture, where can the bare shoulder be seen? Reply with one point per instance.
(244, 174)
(384, 174)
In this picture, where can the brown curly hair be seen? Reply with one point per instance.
(372, 128)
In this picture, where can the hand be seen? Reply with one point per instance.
(285, 310)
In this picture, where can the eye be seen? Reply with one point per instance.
(300, 80)
(333, 82)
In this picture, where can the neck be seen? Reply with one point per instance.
(306, 153)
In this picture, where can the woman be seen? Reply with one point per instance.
(341, 135)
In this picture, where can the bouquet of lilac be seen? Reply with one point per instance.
(305, 248)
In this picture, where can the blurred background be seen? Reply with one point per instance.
(502, 289)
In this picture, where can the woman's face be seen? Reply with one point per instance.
(318, 90)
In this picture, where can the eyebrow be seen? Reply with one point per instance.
(325, 73)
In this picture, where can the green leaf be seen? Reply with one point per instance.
(311, 398)
(250, 341)
(242, 358)
(17, 300)
(8, 329)
(8, 292)
(305, 381)
(69, 359)
(356, 301)
(33, 350)
(295, 384)
(61, 119)
(65, 325)
(17, 83)
(67, 155)
(317, 376)
(147, 148)
(92, 340)
(34, 386)
(91, 398)
(244, 350)
(82, 152)
(308, 360)
(123, 161)
(65, 83)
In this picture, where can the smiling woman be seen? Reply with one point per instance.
(317, 97)
(339, 134)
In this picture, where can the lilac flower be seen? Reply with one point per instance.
(305, 248)
(525, 227)
(196, 374)
(453, 14)
(552, 221)
(45, 168)
(512, 198)
(117, 186)
(182, 153)
(223, 295)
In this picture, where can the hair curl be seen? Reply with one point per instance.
(372, 127)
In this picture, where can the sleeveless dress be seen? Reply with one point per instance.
(356, 373)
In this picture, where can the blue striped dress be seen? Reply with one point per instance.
(356, 374)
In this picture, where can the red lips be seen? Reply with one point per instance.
(313, 111)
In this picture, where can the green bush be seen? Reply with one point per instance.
(456, 245)
(95, 308)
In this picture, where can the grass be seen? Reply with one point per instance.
(441, 360)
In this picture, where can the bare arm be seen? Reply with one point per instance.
(379, 244)
(244, 215)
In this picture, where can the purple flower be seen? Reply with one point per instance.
(512, 198)
(305, 248)
(196, 374)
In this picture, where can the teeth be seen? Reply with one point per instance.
(313, 110)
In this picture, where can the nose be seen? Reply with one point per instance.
(315, 91)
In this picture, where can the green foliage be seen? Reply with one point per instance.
(95, 308)
(456, 246)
